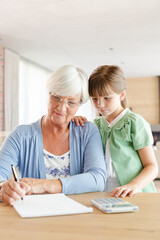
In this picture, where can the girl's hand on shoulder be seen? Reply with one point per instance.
(125, 190)
(79, 120)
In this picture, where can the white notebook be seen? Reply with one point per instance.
(48, 205)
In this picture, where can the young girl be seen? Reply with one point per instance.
(126, 136)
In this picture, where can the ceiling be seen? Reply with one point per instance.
(86, 33)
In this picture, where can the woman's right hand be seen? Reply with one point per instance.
(79, 120)
(12, 191)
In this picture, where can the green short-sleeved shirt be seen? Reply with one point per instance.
(128, 135)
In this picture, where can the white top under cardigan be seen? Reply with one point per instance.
(56, 166)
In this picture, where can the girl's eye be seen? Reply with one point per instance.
(106, 98)
(95, 99)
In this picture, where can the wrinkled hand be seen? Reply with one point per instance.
(79, 120)
(36, 185)
(125, 190)
(12, 191)
(39, 186)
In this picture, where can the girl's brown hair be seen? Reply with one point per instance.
(104, 77)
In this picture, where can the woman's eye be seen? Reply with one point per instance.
(56, 98)
(71, 103)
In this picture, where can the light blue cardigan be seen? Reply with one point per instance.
(24, 149)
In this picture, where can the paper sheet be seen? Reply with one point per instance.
(48, 205)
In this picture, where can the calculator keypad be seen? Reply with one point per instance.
(109, 201)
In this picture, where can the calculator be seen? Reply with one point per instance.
(114, 205)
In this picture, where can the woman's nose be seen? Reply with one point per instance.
(62, 105)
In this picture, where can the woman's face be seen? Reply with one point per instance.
(62, 109)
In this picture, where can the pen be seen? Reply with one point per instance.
(15, 176)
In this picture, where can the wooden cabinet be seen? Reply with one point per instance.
(143, 97)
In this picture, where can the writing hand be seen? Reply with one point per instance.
(11, 191)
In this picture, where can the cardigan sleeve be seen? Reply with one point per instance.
(89, 165)
(9, 154)
(24, 149)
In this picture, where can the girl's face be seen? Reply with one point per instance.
(110, 105)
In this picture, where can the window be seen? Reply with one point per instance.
(32, 92)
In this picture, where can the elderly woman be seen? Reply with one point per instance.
(53, 155)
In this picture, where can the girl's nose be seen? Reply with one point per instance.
(100, 103)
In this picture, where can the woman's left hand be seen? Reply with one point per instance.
(39, 186)
(125, 190)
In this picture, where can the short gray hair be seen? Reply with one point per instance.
(68, 81)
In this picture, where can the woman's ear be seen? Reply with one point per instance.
(123, 95)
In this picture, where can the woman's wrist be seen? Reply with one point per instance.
(53, 186)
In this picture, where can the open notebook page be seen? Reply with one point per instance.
(48, 205)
